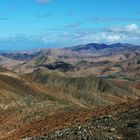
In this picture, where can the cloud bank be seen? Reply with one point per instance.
(63, 38)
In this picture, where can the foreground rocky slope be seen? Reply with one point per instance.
(40, 103)
(122, 122)
(115, 122)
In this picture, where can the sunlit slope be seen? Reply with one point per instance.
(14, 91)
(90, 90)
(18, 91)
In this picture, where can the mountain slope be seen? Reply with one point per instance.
(51, 89)
(113, 122)
(91, 90)
(29, 102)
(119, 122)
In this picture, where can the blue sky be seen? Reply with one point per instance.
(26, 24)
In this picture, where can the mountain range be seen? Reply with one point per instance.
(84, 92)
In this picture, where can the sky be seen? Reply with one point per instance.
(28, 24)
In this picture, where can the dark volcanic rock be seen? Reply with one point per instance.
(62, 66)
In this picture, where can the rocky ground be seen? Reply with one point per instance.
(122, 123)
(50, 106)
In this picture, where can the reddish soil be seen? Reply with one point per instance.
(66, 120)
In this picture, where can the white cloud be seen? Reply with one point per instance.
(129, 28)
(43, 1)
(110, 37)
(124, 34)
(132, 27)
(63, 37)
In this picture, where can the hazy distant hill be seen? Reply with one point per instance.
(88, 49)
(115, 60)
